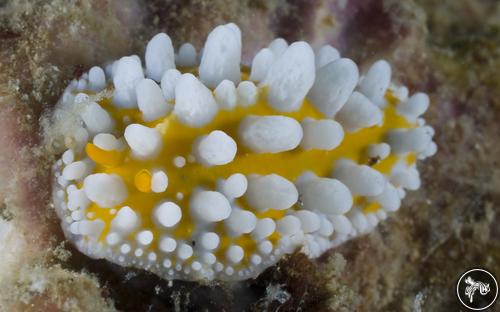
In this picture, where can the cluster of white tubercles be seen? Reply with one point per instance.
(311, 213)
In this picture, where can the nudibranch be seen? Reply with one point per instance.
(196, 167)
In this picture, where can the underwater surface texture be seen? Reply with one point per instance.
(410, 262)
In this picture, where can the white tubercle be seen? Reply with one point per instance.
(358, 113)
(327, 195)
(221, 56)
(179, 161)
(167, 214)
(305, 177)
(168, 83)
(263, 228)
(341, 224)
(70, 98)
(400, 92)
(167, 263)
(416, 105)
(79, 99)
(159, 181)
(270, 134)
(150, 100)
(265, 247)
(145, 142)
(209, 240)
(389, 198)
(184, 251)
(187, 55)
(209, 206)
(380, 151)
(125, 248)
(139, 252)
(144, 238)
(167, 244)
(75, 171)
(235, 253)
(225, 95)
(68, 157)
(325, 227)
(288, 243)
(128, 72)
(62, 182)
(359, 221)
(106, 141)
(408, 178)
(71, 188)
(278, 46)
(81, 84)
(325, 134)
(255, 259)
(91, 228)
(112, 239)
(429, 151)
(194, 104)
(360, 179)
(430, 131)
(125, 221)
(310, 221)
(409, 140)
(208, 258)
(97, 79)
(381, 214)
(311, 246)
(196, 265)
(159, 56)
(372, 220)
(261, 64)
(290, 77)
(401, 191)
(97, 119)
(152, 257)
(214, 149)
(234, 186)
(326, 54)
(270, 192)
(288, 225)
(247, 93)
(376, 81)
(240, 222)
(78, 200)
(334, 85)
(107, 190)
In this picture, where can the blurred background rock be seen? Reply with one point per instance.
(449, 49)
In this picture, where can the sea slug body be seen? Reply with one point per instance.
(196, 167)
